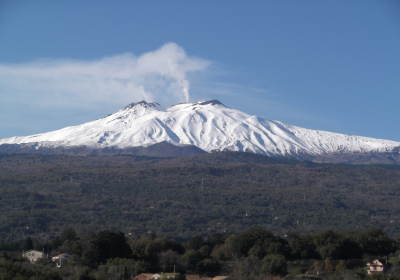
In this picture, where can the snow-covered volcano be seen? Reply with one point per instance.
(209, 125)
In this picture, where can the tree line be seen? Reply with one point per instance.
(255, 253)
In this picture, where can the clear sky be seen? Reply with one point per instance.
(327, 65)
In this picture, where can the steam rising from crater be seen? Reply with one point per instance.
(152, 76)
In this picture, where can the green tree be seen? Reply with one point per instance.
(221, 253)
(192, 258)
(205, 251)
(68, 234)
(195, 243)
(302, 246)
(257, 242)
(375, 242)
(247, 269)
(215, 239)
(104, 246)
(168, 259)
(328, 244)
(28, 244)
(274, 265)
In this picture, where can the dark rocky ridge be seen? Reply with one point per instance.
(165, 149)
(162, 149)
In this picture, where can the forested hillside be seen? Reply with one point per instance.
(182, 197)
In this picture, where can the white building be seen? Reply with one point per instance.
(34, 255)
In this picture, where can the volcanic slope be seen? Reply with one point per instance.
(222, 192)
(210, 126)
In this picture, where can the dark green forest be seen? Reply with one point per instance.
(223, 193)
(254, 254)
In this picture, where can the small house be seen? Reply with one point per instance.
(34, 255)
(147, 276)
(59, 259)
(192, 277)
(377, 266)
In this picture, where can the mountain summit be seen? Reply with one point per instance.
(208, 125)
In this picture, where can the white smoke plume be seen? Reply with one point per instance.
(160, 75)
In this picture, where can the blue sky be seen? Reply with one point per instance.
(328, 65)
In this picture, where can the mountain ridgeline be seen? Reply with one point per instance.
(222, 192)
(185, 129)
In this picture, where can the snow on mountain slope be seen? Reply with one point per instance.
(208, 125)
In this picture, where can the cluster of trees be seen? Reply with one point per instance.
(264, 253)
(252, 254)
(41, 195)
